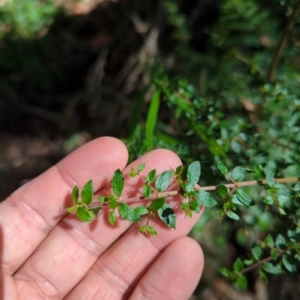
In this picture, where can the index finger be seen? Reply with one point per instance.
(31, 212)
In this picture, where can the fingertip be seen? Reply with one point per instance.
(96, 160)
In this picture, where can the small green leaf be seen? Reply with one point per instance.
(235, 200)
(112, 218)
(222, 168)
(288, 263)
(75, 195)
(167, 215)
(163, 180)
(222, 191)
(205, 199)
(147, 190)
(297, 187)
(280, 242)
(184, 206)
(157, 204)
(268, 200)
(269, 241)
(151, 230)
(127, 213)
(102, 199)
(232, 215)
(262, 276)
(244, 197)
(194, 206)
(84, 214)
(256, 252)
(193, 172)
(238, 265)
(274, 253)
(141, 210)
(242, 282)
(87, 193)
(151, 176)
(225, 272)
(132, 173)
(113, 203)
(238, 174)
(117, 183)
(179, 170)
(141, 167)
(147, 229)
(271, 268)
(270, 169)
(257, 172)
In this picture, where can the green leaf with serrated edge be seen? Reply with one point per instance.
(242, 282)
(225, 272)
(235, 200)
(157, 204)
(269, 241)
(263, 276)
(238, 265)
(112, 218)
(87, 193)
(205, 199)
(127, 213)
(141, 167)
(141, 210)
(244, 197)
(147, 190)
(113, 203)
(163, 180)
(222, 191)
(268, 200)
(289, 263)
(117, 183)
(238, 174)
(75, 195)
(280, 242)
(271, 268)
(222, 168)
(167, 215)
(193, 172)
(256, 252)
(84, 214)
(151, 176)
(230, 214)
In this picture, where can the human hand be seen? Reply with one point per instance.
(48, 254)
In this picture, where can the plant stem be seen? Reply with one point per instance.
(205, 188)
(271, 75)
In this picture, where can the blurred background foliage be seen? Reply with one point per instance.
(208, 79)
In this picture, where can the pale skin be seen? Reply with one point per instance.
(46, 253)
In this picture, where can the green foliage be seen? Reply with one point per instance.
(26, 18)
